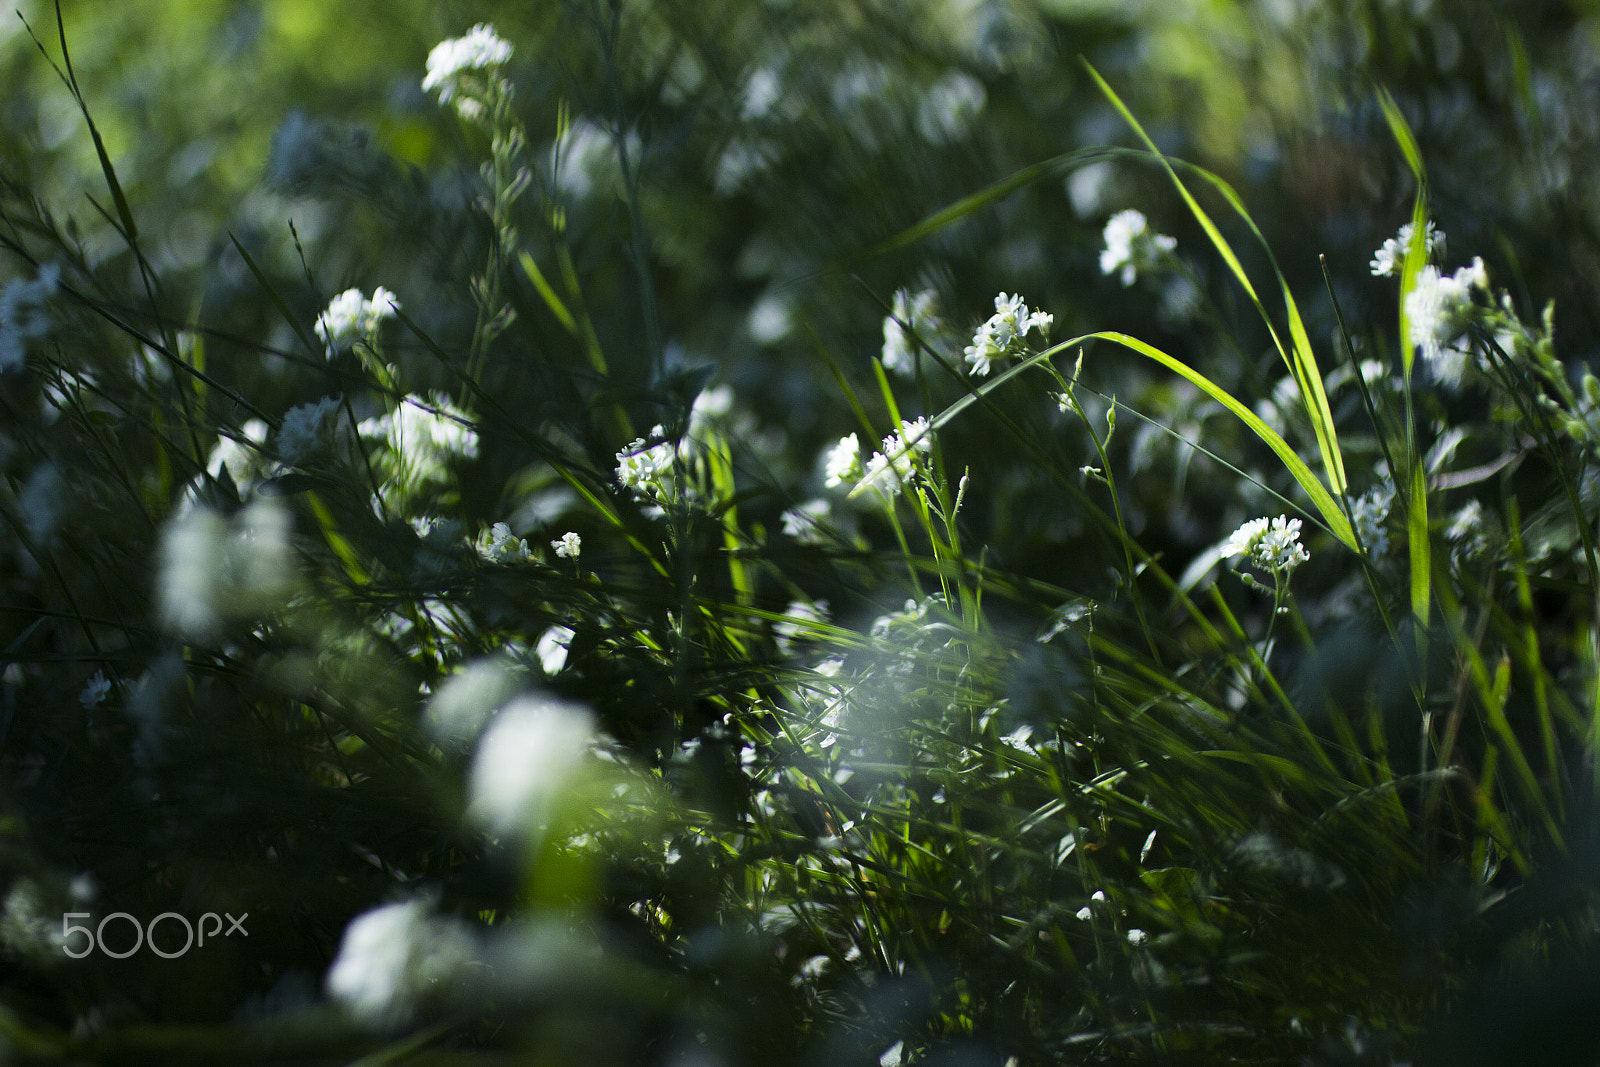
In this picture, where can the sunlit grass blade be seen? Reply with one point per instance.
(1299, 359)
(1333, 517)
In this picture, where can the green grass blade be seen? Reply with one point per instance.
(1299, 358)
(1421, 549)
(1333, 516)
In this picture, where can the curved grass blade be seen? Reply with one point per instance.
(1300, 360)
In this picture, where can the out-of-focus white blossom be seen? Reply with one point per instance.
(551, 649)
(950, 106)
(463, 704)
(527, 758)
(1273, 546)
(351, 317)
(95, 690)
(1131, 247)
(799, 621)
(916, 312)
(451, 63)
(424, 437)
(244, 459)
(1389, 259)
(803, 523)
(646, 469)
(394, 957)
(22, 314)
(1003, 335)
(301, 433)
(213, 567)
(568, 545)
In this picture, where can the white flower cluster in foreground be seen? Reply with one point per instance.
(351, 317)
(1132, 247)
(1003, 335)
(527, 759)
(214, 567)
(452, 67)
(1438, 311)
(915, 311)
(1368, 514)
(394, 957)
(843, 463)
(1389, 259)
(1273, 546)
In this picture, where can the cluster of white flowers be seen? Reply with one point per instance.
(502, 546)
(1389, 259)
(644, 468)
(528, 757)
(452, 63)
(551, 648)
(300, 435)
(22, 314)
(1131, 247)
(351, 317)
(1003, 334)
(1368, 514)
(915, 312)
(392, 958)
(424, 436)
(889, 471)
(568, 546)
(1273, 546)
(243, 458)
(1438, 311)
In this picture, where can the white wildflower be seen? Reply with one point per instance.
(843, 464)
(351, 317)
(646, 469)
(552, 648)
(1137, 936)
(1131, 247)
(1273, 546)
(528, 757)
(1368, 513)
(1005, 332)
(463, 704)
(799, 621)
(424, 437)
(212, 567)
(243, 458)
(1438, 310)
(568, 546)
(803, 523)
(915, 312)
(1389, 259)
(450, 62)
(889, 471)
(392, 957)
(301, 433)
(22, 314)
(95, 690)
(503, 546)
